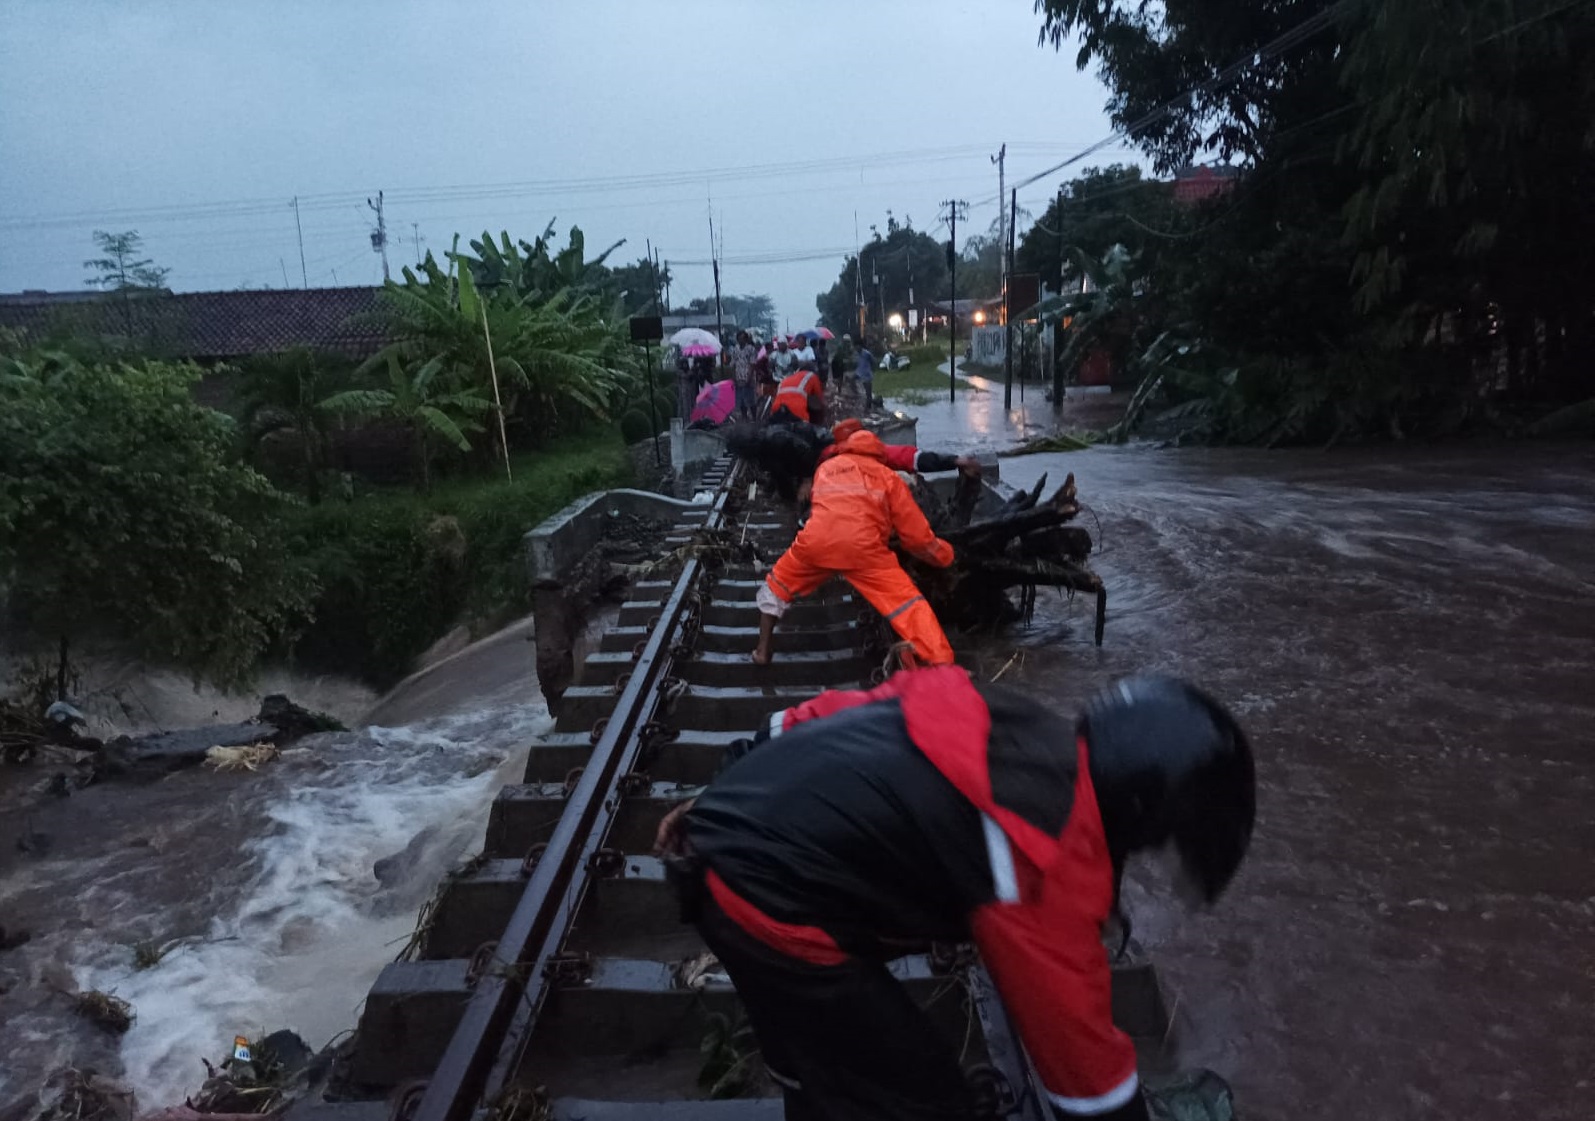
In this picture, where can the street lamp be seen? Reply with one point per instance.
(980, 318)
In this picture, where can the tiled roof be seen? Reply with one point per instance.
(211, 325)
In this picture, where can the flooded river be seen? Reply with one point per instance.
(274, 898)
(1410, 637)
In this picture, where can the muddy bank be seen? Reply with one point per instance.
(266, 899)
(1409, 635)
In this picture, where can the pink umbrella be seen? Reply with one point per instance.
(694, 342)
(715, 402)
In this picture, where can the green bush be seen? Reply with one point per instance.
(398, 569)
(635, 427)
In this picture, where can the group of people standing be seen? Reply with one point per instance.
(763, 371)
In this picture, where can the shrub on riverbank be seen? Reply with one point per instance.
(397, 569)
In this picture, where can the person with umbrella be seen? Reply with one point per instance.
(694, 367)
(804, 355)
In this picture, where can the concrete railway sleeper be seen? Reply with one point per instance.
(551, 978)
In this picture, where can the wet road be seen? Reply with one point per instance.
(1410, 638)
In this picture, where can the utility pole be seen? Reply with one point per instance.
(284, 265)
(954, 207)
(858, 279)
(1000, 159)
(909, 251)
(304, 277)
(1057, 328)
(880, 294)
(379, 236)
(1057, 216)
(415, 239)
(648, 351)
(1007, 309)
(714, 261)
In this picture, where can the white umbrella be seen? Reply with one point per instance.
(695, 341)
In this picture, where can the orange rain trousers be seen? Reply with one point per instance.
(879, 579)
(858, 503)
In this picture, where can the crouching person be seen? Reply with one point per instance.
(930, 809)
(856, 503)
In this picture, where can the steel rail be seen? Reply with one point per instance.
(502, 1010)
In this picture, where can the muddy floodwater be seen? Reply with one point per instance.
(1409, 636)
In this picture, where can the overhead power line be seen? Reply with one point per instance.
(413, 196)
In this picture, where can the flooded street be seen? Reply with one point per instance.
(1409, 635)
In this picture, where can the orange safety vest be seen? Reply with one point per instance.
(795, 391)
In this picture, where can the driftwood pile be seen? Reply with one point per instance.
(1028, 544)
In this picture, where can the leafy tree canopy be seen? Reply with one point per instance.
(746, 311)
(125, 515)
(120, 267)
(904, 260)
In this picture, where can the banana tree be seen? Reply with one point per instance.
(535, 268)
(1101, 314)
(550, 355)
(283, 393)
(424, 404)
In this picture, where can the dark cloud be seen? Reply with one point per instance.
(604, 114)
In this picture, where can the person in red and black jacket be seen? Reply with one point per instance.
(931, 809)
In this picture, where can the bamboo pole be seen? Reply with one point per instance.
(498, 402)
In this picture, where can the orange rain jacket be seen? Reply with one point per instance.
(858, 502)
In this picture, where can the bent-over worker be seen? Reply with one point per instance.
(800, 396)
(857, 503)
(902, 457)
(930, 809)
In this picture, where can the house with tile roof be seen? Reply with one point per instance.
(208, 327)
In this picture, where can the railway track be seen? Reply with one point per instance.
(551, 979)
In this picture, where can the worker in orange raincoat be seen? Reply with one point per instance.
(857, 503)
(801, 396)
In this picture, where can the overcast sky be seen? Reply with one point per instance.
(195, 123)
